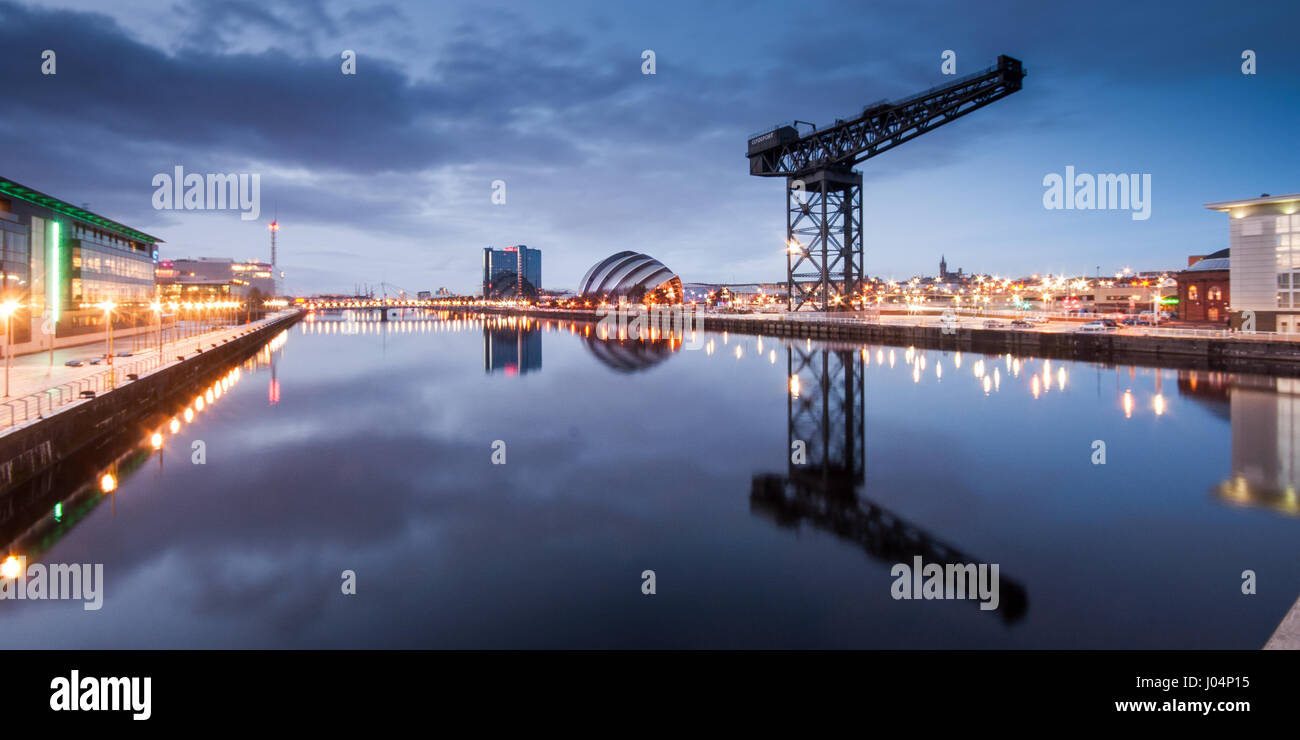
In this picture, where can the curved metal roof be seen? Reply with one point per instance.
(622, 272)
(1210, 263)
(631, 355)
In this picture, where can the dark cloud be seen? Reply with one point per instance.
(447, 99)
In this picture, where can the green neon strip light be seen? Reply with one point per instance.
(11, 188)
(54, 291)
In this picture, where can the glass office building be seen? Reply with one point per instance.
(512, 272)
(60, 260)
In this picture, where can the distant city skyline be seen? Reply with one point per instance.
(472, 127)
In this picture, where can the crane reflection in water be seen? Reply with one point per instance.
(825, 452)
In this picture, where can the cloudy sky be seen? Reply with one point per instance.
(386, 175)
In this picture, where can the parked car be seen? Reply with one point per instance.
(123, 354)
(991, 324)
(1095, 327)
(96, 360)
(1022, 324)
(1110, 322)
(74, 363)
(1036, 319)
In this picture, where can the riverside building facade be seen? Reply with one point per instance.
(62, 263)
(1264, 272)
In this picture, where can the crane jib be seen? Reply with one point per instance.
(823, 250)
(881, 126)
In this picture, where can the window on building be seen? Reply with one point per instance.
(1288, 242)
(1215, 293)
(1194, 295)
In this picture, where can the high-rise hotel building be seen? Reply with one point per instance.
(512, 272)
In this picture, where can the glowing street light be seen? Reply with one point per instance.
(107, 307)
(7, 309)
(157, 306)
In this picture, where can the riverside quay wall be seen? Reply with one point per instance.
(1275, 357)
(1238, 354)
(38, 447)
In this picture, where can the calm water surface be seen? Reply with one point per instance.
(362, 446)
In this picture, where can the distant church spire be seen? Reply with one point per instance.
(943, 266)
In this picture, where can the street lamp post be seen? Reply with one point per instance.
(108, 307)
(157, 311)
(7, 310)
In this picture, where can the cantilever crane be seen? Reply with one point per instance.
(824, 193)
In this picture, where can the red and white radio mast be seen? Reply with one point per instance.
(275, 226)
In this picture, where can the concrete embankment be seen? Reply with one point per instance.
(1287, 635)
(30, 450)
(1238, 355)
(1194, 353)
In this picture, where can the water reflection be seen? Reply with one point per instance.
(825, 391)
(824, 431)
(1265, 416)
(630, 355)
(512, 345)
(367, 462)
(514, 351)
(38, 513)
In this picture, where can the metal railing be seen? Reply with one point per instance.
(1270, 336)
(38, 404)
(1141, 329)
(978, 314)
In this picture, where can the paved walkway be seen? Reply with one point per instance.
(32, 375)
(1287, 634)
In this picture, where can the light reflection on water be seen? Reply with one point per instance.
(365, 445)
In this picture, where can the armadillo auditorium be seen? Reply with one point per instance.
(632, 276)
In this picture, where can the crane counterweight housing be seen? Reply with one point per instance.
(824, 194)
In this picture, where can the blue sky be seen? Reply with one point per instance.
(387, 175)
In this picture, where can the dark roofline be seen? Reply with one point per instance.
(36, 197)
